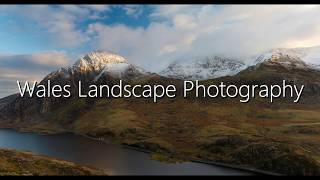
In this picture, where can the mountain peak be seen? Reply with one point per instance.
(97, 64)
(97, 60)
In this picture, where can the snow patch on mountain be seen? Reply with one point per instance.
(204, 68)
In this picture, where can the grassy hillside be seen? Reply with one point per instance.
(14, 163)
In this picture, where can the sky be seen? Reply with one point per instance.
(37, 39)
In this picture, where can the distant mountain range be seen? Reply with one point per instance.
(98, 64)
(219, 66)
(105, 68)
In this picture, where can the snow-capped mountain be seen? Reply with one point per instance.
(306, 58)
(204, 68)
(99, 63)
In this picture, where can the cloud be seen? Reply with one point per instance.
(133, 10)
(28, 67)
(186, 31)
(175, 32)
(142, 46)
(61, 22)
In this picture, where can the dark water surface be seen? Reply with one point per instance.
(115, 159)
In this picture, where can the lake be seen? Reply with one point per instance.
(114, 159)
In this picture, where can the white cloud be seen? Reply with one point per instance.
(156, 44)
(182, 31)
(59, 22)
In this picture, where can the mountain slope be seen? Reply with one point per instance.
(7, 100)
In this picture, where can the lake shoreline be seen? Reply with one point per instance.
(256, 171)
(149, 152)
